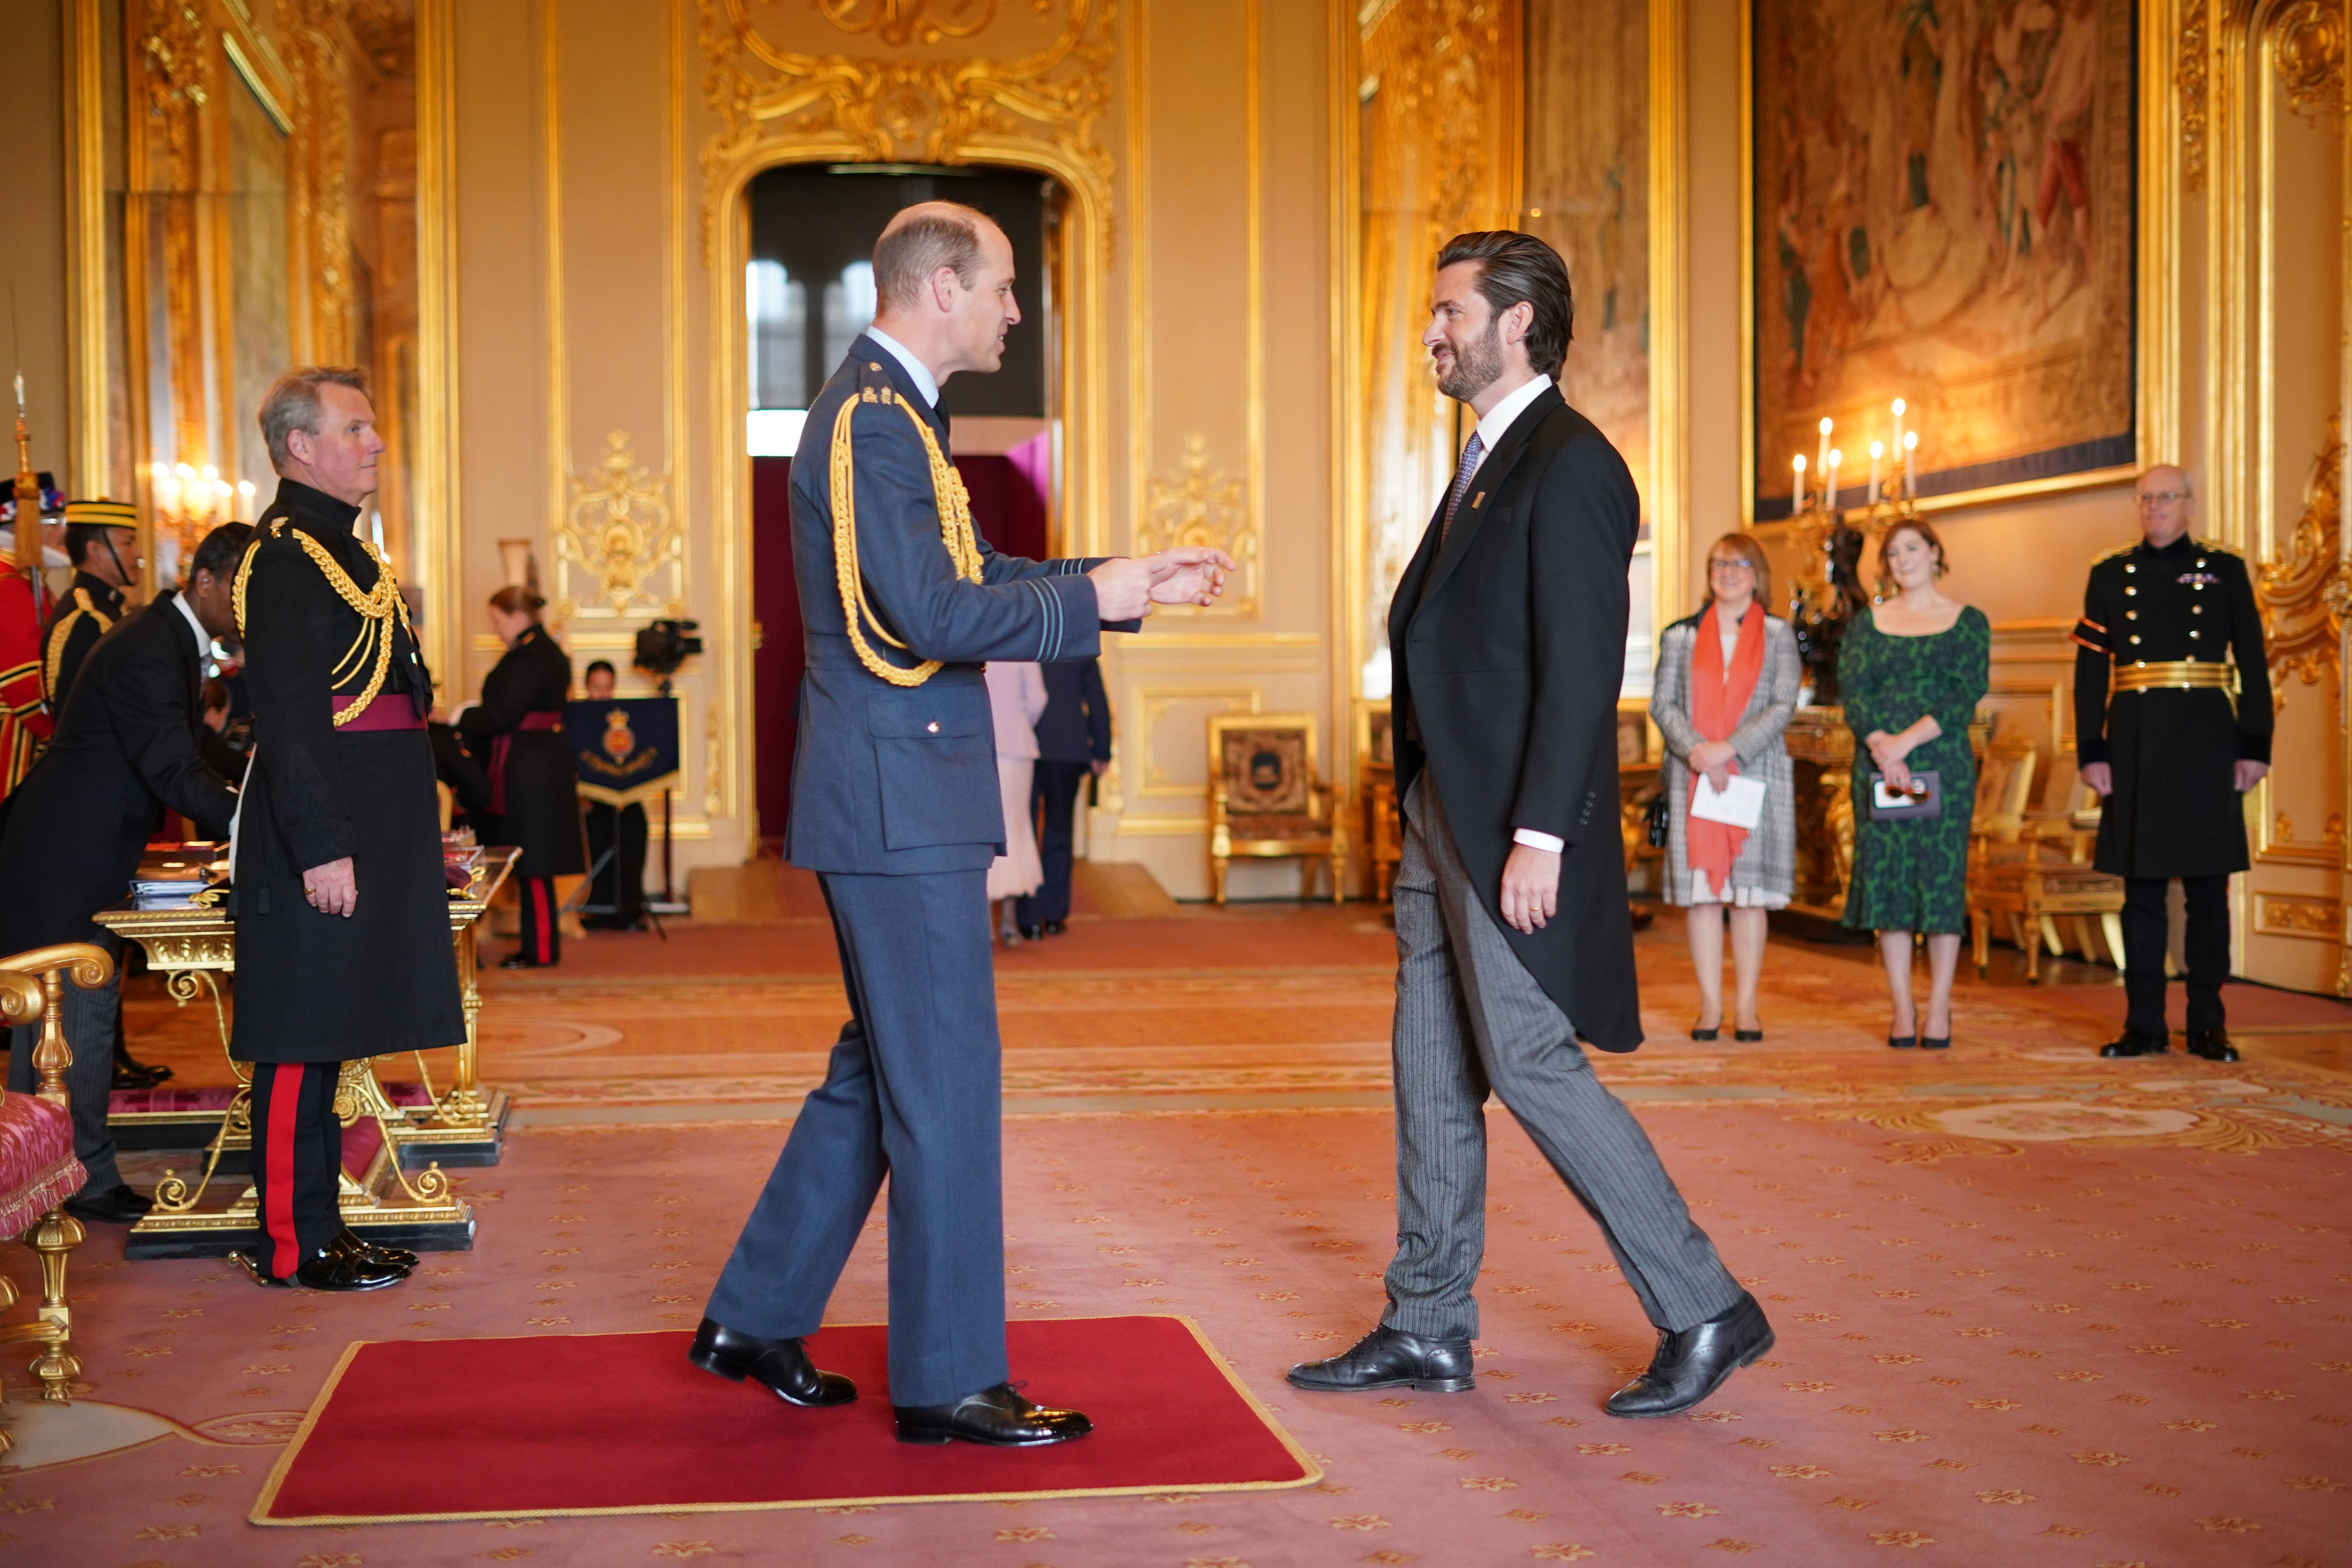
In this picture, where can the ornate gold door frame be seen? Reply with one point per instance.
(779, 106)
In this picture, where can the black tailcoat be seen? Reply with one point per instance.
(1507, 649)
(313, 987)
(89, 609)
(2176, 810)
(542, 797)
(125, 748)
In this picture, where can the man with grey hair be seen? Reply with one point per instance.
(343, 922)
(2159, 734)
(896, 807)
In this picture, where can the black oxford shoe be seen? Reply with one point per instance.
(781, 1366)
(1692, 1364)
(327, 1269)
(350, 1240)
(116, 1206)
(2213, 1044)
(999, 1417)
(2136, 1043)
(1390, 1358)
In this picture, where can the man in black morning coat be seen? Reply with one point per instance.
(71, 834)
(1507, 641)
(896, 807)
(342, 914)
(2159, 735)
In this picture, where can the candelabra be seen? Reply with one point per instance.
(189, 500)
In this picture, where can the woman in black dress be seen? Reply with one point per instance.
(516, 730)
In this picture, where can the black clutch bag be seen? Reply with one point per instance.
(1923, 802)
(1654, 820)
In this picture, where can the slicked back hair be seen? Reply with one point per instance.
(913, 248)
(221, 551)
(1516, 268)
(293, 404)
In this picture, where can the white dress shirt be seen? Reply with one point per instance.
(925, 382)
(203, 638)
(1491, 426)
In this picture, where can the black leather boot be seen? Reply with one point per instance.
(782, 1366)
(1692, 1364)
(2213, 1044)
(1390, 1358)
(998, 1418)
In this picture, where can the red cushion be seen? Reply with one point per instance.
(38, 1168)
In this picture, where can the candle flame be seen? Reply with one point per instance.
(1800, 464)
(1826, 427)
(1910, 439)
(1898, 409)
(1837, 459)
(1877, 449)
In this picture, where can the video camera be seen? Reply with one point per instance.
(663, 646)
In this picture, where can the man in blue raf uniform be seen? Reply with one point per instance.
(2159, 734)
(894, 806)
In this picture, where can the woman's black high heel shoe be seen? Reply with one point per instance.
(1748, 1037)
(1903, 1042)
(1699, 1034)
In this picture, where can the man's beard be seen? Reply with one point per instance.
(1476, 365)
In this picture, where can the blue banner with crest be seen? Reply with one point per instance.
(624, 749)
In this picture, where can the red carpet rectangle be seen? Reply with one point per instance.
(545, 1425)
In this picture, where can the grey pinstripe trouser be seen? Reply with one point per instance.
(1470, 1017)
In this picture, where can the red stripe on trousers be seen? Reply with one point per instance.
(277, 1201)
(539, 900)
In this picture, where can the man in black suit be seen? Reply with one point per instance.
(1073, 746)
(125, 748)
(102, 542)
(1507, 640)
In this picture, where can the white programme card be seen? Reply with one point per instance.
(1740, 805)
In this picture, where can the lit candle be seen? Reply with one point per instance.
(1822, 460)
(1799, 505)
(1830, 479)
(1898, 422)
(1910, 465)
(1877, 451)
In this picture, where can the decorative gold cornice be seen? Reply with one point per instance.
(897, 22)
(901, 108)
(620, 534)
(2304, 596)
(1200, 505)
(2190, 73)
(2307, 53)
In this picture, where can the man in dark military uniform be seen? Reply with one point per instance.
(2160, 734)
(342, 914)
(896, 807)
(102, 541)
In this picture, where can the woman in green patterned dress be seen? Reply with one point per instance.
(1911, 673)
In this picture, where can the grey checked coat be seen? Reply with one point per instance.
(1767, 867)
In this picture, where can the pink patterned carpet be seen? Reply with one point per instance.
(2034, 1308)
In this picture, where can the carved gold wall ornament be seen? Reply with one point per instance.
(619, 533)
(2307, 52)
(1201, 505)
(904, 108)
(897, 22)
(2305, 595)
(2189, 72)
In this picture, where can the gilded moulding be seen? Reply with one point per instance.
(2304, 593)
(1200, 505)
(620, 534)
(2307, 53)
(897, 22)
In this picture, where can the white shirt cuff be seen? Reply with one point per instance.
(1534, 840)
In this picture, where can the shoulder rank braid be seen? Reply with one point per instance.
(955, 533)
(62, 633)
(377, 610)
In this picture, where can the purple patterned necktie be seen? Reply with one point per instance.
(1468, 466)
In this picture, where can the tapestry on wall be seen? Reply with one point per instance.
(1943, 211)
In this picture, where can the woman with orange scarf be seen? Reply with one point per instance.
(1726, 689)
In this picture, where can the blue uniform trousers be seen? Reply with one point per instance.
(914, 1092)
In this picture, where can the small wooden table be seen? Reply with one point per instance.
(192, 946)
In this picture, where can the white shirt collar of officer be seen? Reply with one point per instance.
(925, 382)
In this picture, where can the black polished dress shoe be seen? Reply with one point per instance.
(1033, 933)
(1055, 927)
(128, 1074)
(118, 1204)
(520, 961)
(330, 1267)
(998, 1418)
(2213, 1044)
(1692, 1364)
(350, 1240)
(782, 1366)
(2137, 1043)
(1390, 1358)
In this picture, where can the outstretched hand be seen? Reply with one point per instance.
(1126, 587)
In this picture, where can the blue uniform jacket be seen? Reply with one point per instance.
(894, 780)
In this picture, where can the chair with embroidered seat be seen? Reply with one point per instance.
(38, 1168)
(1267, 800)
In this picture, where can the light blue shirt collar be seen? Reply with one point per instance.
(924, 381)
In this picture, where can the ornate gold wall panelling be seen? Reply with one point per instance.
(1200, 504)
(619, 546)
(2279, 914)
(2303, 593)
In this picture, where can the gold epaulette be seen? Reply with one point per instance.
(2120, 550)
(2212, 546)
(954, 505)
(60, 633)
(377, 608)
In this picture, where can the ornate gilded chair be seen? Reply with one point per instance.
(38, 1168)
(1267, 801)
(2032, 867)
